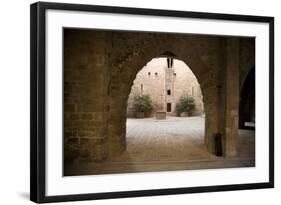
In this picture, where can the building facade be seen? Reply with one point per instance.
(165, 80)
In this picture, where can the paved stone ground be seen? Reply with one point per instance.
(167, 145)
(173, 139)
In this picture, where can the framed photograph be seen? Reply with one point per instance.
(129, 102)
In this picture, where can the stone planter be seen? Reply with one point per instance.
(160, 115)
(147, 114)
(140, 114)
(184, 114)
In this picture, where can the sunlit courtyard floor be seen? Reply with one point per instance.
(173, 139)
(167, 145)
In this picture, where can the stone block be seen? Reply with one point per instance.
(87, 116)
(69, 107)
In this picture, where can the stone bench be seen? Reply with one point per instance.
(161, 115)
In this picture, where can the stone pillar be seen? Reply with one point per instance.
(116, 132)
(85, 114)
(117, 119)
(211, 119)
(231, 97)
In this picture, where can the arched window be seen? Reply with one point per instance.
(170, 62)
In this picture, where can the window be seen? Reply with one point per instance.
(156, 74)
(169, 107)
(148, 73)
(192, 91)
(170, 62)
(168, 92)
(141, 88)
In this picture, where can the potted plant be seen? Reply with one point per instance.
(143, 104)
(185, 105)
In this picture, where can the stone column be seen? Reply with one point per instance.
(117, 119)
(231, 97)
(211, 119)
(85, 110)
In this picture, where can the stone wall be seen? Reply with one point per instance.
(155, 79)
(99, 70)
(85, 95)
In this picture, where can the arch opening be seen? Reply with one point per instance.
(247, 102)
(165, 115)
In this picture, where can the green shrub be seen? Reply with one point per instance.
(185, 104)
(143, 103)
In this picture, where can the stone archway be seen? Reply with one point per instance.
(99, 69)
(132, 64)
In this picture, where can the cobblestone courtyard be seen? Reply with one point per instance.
(173, 139)
(171, 144)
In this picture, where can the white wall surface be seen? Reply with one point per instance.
(14, 101)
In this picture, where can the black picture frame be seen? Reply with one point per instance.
(38, 101)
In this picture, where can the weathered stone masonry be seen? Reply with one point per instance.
(156, 79)
(99, 70)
